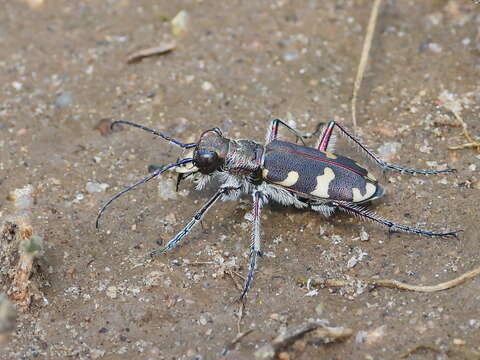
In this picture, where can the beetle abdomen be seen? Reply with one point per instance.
(317, 174)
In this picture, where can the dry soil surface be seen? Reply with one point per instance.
(239, 65)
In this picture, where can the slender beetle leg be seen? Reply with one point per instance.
(272, 134)
(327, 134)
(392, 227)
(383, 164)
(256, 237)
(195, 220)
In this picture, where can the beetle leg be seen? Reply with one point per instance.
(323, 208)
(272, 133)
(370, 215)
(258, 202)
(195, 220)
(327, 134)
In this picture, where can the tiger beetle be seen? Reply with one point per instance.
(285, 172)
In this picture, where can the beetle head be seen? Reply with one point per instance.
(210, 153)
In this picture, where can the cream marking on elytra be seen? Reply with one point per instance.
(330, 155)
(323, 181)
(291, 179)
(264, 173)
(369, 191)
(371, 177)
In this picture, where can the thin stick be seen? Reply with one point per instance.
(395, 284)
(237, 285)
(420, 347)
(241, 312)
(364, 58)
(471, 142)
(235, 341)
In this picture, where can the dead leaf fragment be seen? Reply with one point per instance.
(104, 126)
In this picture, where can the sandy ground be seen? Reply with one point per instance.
(63, 69)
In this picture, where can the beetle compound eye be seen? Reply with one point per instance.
(206, 161)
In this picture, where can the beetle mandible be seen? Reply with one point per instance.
(280, 171)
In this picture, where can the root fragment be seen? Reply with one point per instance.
(367, 44)
(394, 284)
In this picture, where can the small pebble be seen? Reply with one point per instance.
(265, 352)
(203, 320)
(207, 86)
(375, 335)
(291, 56)
(17, 85)
(92, 187)
(22, 198)
(166, 189)
(112, 292)
(459, 342)
(64, 99)
(352, 262)
(361, 337)
(180, 23)
(364, 235)
(434, 47)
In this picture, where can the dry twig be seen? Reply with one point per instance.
(153, 51)
(235, 341)
(395, 284)
(472, 143)
(420, 347)
(322, 333)
(364, 58)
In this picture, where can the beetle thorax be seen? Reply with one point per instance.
(244, 157)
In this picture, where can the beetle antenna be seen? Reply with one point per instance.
(154, 132)
(148, 178)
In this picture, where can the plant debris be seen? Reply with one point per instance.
(235, 341)
(454, 105)
(20, 249)
(161, 49)
(104, 126)
(321, 334)
(394, 284)
(419, 347)
(367, 44)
